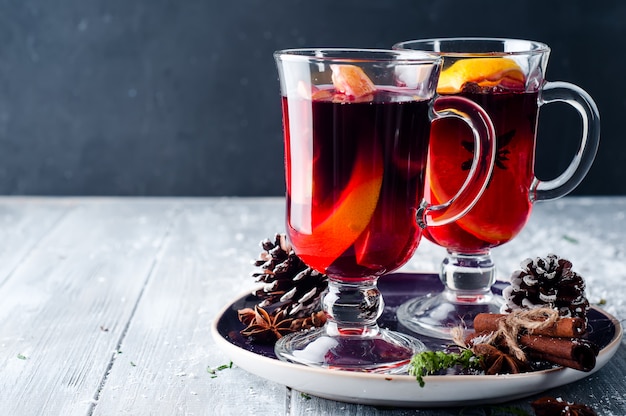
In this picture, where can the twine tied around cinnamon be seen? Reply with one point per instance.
(510, 326)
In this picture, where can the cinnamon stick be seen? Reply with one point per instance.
(563, 362)
(563, 327)
(576, 353)
(548, 406)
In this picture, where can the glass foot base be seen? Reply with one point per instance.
(385, 352)
(436, 315)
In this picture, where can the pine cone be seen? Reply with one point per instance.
(547, 282)
(288, 283)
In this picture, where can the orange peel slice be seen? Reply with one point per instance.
(445, 178)
(485, 72)
(312, 92)
(351, 80)
(351, 216)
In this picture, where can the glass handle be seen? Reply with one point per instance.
(581, 163)
(482, 164)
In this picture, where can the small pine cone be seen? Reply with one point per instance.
(547, 282)
(288, 283)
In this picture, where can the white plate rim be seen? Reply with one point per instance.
(403, 390)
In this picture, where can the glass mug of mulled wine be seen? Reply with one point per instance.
(507, 78)
(356, 134)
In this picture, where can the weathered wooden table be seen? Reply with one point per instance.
(106, 304)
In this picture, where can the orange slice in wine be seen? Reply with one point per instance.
(501, 210)
(352, 214)
(485, 72)
(352, 81)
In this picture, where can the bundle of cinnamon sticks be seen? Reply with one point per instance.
(561, 342)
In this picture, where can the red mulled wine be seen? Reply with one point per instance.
(355, 175)
(505, 206)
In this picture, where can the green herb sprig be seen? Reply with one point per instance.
(213, 371)
(430, 362)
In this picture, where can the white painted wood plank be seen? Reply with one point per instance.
(81, 275)
(67, 305)
(168, 347)
(23, 222)
(206, 261)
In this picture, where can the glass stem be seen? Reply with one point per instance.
(468, 278)
(352, 308)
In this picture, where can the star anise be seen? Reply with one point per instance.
(495, 361)
(263, 327)
(502, 142)
(549, 406)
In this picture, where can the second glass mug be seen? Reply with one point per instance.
(356, 128)
(506, 77)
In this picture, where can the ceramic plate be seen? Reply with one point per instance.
(403, 390)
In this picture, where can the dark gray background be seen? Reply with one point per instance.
(180, 97)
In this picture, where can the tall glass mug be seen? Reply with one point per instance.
(356, 129)
(506, 77)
